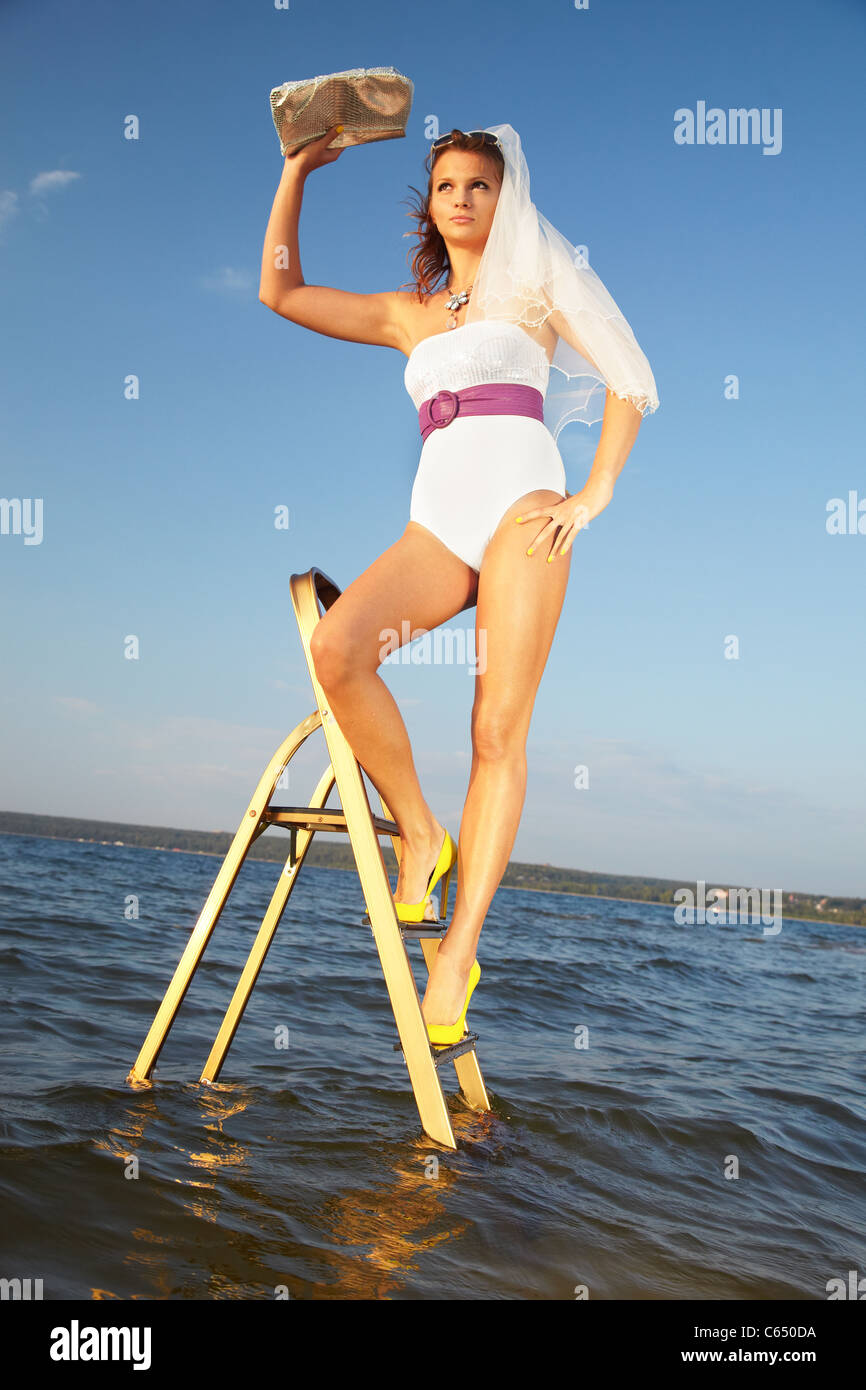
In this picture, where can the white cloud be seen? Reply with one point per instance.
(47, 182)
(170, 735)
(76, 705)
(228, 280)
(8, 205)
(53, 178)
(176, 774)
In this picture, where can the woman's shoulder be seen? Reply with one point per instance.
(413, 314)
(410, 304)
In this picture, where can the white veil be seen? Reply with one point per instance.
(527, 270)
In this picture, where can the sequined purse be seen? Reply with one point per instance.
(370, 103)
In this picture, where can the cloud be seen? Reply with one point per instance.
(304, 690)
(183, 750)
(76, 705)
(47, 182)
(175, 773)
(652, 781)
(172, 735)
(53, 178)
(228, 280)
(9, 205)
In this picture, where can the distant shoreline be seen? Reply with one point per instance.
(340, 868)
(335, 868)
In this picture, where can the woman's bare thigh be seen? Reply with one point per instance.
(519, 601)
(413, 587)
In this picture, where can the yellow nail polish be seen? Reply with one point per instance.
(518, 518)
(339, 129)
(550, 559)
(530, 550)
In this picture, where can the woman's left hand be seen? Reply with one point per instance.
(569, 516)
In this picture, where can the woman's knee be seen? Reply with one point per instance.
(332, 654)
(497, 734)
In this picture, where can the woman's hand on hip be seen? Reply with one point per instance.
(569, 516)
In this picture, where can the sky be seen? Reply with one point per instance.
(142, 257)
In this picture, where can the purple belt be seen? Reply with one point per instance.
(498, 398)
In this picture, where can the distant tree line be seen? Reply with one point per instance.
(334, 852)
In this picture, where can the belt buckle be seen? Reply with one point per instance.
(443, 396)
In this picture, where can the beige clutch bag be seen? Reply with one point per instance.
(370, 103)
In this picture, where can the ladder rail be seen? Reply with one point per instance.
(355, 818)
(265, 935)
(216, 900)
(394, 959)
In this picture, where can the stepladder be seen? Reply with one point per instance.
(312, 594)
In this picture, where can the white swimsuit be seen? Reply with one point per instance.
(473, 469)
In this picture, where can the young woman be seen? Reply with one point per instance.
(491, 521)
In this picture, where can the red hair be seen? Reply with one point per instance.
(430, 259)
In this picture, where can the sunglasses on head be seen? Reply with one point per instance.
(447, 139)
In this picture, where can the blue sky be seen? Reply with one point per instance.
(143, 257)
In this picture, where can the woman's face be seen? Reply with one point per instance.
(465, 184)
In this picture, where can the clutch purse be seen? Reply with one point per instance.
(370, 104)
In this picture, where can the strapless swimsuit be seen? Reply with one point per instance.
(473, 468)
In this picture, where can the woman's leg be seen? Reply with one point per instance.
(519, 601)
(420, 582)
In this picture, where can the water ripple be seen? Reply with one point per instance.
(676, 1112)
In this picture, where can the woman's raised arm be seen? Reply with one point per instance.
(357, 318)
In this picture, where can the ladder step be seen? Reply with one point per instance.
(319, 818)
(448, 1054)
(416, 930)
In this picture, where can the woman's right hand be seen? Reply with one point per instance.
(315, 154)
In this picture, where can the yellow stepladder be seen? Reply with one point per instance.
(355, 818)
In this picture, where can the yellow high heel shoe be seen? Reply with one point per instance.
(443, 868)
(446, 1034)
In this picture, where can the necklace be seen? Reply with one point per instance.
(454, 303)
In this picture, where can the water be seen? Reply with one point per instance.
(306, 1168)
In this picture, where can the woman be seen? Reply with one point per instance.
(491, 522)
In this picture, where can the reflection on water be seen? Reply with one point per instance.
(304, 1171)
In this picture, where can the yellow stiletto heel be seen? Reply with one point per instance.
(446, 1034)
(446, 883)
(414, 912)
